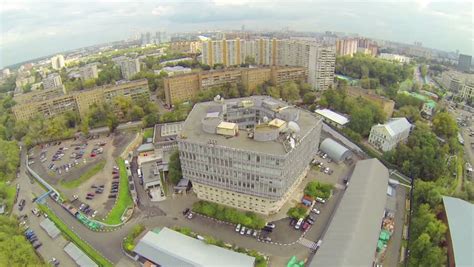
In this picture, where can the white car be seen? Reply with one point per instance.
(242, 231)
(315, 210)
(270, 225)
(36, 212)
(298, 224)
(320, 200)
(237, 229)
(190, 215)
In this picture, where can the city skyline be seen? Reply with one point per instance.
(75, 25)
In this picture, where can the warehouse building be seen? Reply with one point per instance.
(168, 248)
(337, 152)
(332, 118)
(352, 236)
(459, 215)
(248, 153)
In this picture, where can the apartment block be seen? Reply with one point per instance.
(186, 46)
(89, 72)
(128, 66)
(184, 87)
(248, 153)
(317, 58)
(52, 81)
(57, 62)
(458, 83)
(346, 47)
(50, 103)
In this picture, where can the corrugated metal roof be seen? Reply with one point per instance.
(351, 238)
(397, 126)
(78, 256)
(335, 151)
(336, 117)
(50, 228)
(460, 215)
(169, 248)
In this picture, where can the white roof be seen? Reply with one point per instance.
(169, 248)
(79, 256)
(50, 228)
(336, 117)
(397, 126)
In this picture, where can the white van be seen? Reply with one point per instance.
(139, 173)
(298, 224)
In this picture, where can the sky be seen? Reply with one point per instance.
(34, 28)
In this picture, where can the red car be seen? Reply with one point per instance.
(305, 226)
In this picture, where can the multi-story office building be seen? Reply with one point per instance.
(184, 87)
(464, 62)
(346, 47)
(89, 71)
(52, 81)
(318, 59)
(57, 62)
(128, 66)
(55, 102)
(458, 83)
(248, 153)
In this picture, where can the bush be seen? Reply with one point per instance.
(129, 242)
(297, 212)
(317, 189)
(228, 214)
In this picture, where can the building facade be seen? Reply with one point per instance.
(186, 46)
(248, 153)
(395, 57)
(318, 59)
(89, 72)
(128, 66)
(52, 81)
(184, 87)
(386, 136)
(346, 47)
(57, 62)
(464, 62)
(54, 102)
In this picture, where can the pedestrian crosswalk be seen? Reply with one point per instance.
(307, 243)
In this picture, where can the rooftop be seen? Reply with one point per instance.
(169, 248)
(167, 131)
(192, 130)
(351, 238)
(397, 125)
(150, 171)
(460, 217)
(336, 117)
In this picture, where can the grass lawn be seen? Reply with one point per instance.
(148, 133)
(70, 235)
(124, 199)
(84, 177)
(10, 194)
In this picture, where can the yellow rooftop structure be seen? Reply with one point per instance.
(227, 128)
(277, 123)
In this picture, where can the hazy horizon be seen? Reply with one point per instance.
(33, 29)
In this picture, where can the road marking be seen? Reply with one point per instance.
(307, 243)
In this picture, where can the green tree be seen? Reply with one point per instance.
(174, 169)
(9, 159)
(444, 125)
(309, 98)
(410, 112)
(423, 70)
(297, 212)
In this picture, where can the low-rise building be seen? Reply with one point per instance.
(428, 109)
(184, 87)
(168, 248)
(335, 151)
(386, 136)
(385, 103)
(395, 57)
(332, 118)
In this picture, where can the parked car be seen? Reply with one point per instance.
(37, 244)
(255, 233)
(267, 239)
(237, 228)
(89, 198)
(298, 224)
(293, 222)
(242, 230)
(112, 196)
(190, 215)
(36, 212)
(315, 210)
(249, 231)
(270, 225)
(320, 200)
(305, 226)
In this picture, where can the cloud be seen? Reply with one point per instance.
(161, 10)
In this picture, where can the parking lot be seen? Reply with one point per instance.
(72, 158)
